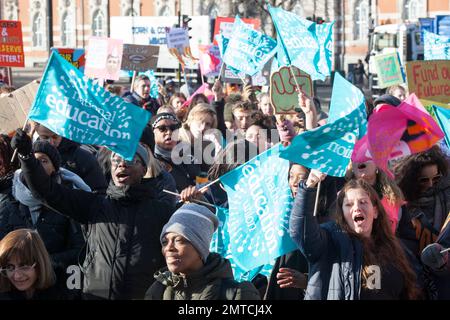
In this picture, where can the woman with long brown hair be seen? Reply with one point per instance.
(356, 257)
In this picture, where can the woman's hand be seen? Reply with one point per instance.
(315, 176)
(190, 194)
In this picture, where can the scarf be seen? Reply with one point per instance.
(131, 194)
(22, 194)
(163, 153)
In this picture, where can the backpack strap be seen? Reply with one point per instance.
(228, 289)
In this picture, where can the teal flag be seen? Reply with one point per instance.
(255, 229)
(345, 97)
(443, 118)
(221, 244)
(327, 148)
(71, 105)
(303, 43)
(248, 50)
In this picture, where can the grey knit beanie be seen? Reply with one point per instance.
(194, 222)
(141, 152)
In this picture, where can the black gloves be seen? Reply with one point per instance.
(22, 142)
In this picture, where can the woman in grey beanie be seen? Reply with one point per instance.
(192, 272)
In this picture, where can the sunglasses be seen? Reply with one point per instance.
(164, 128)
(434, 180)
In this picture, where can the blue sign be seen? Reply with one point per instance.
(71, 105)
(248, 50)
(443, 118)
(327, 148)
(255, 230)
(436, 47)
(304, 44)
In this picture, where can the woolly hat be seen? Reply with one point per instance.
(161, 116)
(45, 147)
(194, 222)
(387, 99)
(141, 152)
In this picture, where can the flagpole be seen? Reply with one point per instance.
(13, 158)
(185, 81)
(445, 250)
(220, 71)
(193, 200)
(132, 81)
(206, 186)
(317, 199)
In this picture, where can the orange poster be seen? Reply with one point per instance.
(11, 44)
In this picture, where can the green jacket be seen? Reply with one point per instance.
(213, 282)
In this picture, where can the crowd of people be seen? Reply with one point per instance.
(80, 222)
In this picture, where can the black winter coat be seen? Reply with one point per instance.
(82, 163)
(123, 228)
(9, 207)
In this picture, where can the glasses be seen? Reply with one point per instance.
(9, 270)
(117, 161)
(434, 180)
(164, 128)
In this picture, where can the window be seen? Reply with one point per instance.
(361, 20)
(38, 30)
(165, 11)
(11, 11)
(131, 13)
(385, 40)
(67, 30)
(213, 11)
(413, 9)
(98, 24)
(298, 10)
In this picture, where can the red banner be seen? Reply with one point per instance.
(11, 44)
(224, 25)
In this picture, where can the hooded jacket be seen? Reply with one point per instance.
(82, 163)
(212, 282)
(123, 227)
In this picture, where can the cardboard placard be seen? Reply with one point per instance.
(389, 71)
(224, 25)
(11, 44)
(429, 80)
(104, 58)
(14, 108)
(283, 94)
(139, 57)
(75, 56)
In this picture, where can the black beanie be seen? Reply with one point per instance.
(43, 146)
(388, 99)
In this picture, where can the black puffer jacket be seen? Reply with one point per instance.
(9, 207)
(123, 231)
(82, 163)
(213, 282)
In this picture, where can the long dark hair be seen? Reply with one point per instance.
(409, 169)
(383, 247)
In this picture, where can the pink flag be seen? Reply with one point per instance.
(397, 131)
(204, 88)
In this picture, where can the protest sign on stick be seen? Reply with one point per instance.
(139, 57)
(76, 57)
(429, 80)
(11, 44)
(389, 71)
(104, 57)
(283, 88)
(14, 108)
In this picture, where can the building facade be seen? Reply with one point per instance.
(70, 23)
